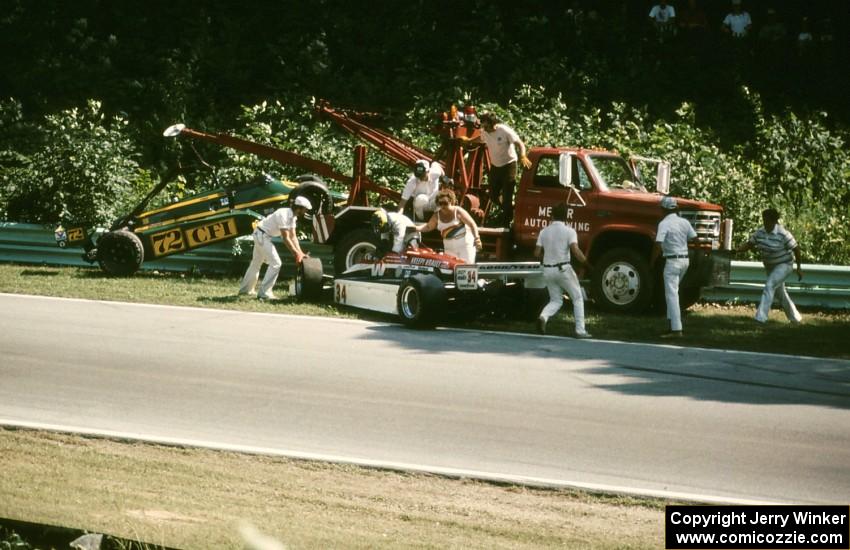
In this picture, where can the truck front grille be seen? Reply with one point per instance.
(706, 224)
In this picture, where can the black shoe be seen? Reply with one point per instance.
(541, 325)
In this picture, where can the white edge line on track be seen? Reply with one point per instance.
(448, 329)
(385, 465)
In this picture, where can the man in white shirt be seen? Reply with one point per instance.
(502, 143)
(738, 22)
(671, 241)
(778, 251)
(663, 18)
(280, 222)
(422, 186)
(554, 245)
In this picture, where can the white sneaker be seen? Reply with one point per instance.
(247, 293)
(268, 296)
(583, 335)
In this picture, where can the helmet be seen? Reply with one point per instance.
(421, 168)
(669, 203)
(379, 221)
(303, 202)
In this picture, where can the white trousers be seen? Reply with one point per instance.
(775, 284)
(557, 282)
(674, 272)
(264, 252)
(463, 247)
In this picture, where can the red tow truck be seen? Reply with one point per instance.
(611, 208)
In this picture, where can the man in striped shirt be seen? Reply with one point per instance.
(778, 250)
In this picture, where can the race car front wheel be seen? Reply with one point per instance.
(421, 301)
(120, 253)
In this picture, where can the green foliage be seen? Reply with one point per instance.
(84, 170)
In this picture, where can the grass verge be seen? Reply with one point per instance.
(822, 334)
(196, 498)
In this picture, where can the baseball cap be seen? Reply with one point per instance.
(302, 202)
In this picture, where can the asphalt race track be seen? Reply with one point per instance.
(638, 418)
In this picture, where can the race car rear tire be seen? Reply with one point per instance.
(353, 248)
(120, 253)
(421, 300)
(308, 279)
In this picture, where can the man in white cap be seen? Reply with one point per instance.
(422, 187)
(671, 241)
(280, 222)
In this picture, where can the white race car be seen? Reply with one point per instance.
(423, 287)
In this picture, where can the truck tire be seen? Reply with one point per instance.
(622, 281)
(120, 253)
(421, 300)
(353, 247)
(309, 279)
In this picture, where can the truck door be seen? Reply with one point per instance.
(542, 191)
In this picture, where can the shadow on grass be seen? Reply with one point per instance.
(38, 273)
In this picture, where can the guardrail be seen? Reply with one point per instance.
(826, 286)
(35, 244)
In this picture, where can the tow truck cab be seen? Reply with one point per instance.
(616, 218)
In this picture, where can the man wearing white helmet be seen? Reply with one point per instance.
(671, 241)
(280, 222)
(422, 187)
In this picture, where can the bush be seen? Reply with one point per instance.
(84, 170)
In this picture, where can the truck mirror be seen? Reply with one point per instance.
(174, 130)
(662, 179)
(565, 170)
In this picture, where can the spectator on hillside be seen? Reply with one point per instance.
(773, 33)
(737, 23)
(662, 16)
(805, 39)
(692, 19)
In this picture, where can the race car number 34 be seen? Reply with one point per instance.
(466, 277)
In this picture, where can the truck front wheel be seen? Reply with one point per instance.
(622, 281)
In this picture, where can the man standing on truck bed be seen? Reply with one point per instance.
(671, 241)
(554, 245)
(501, 141)
(280, 222)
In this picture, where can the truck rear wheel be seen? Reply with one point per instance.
(622, 281)
(421, 300)
(354, 248)
(120, 253)
(308, 279)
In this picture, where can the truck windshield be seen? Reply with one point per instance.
(615, 173)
